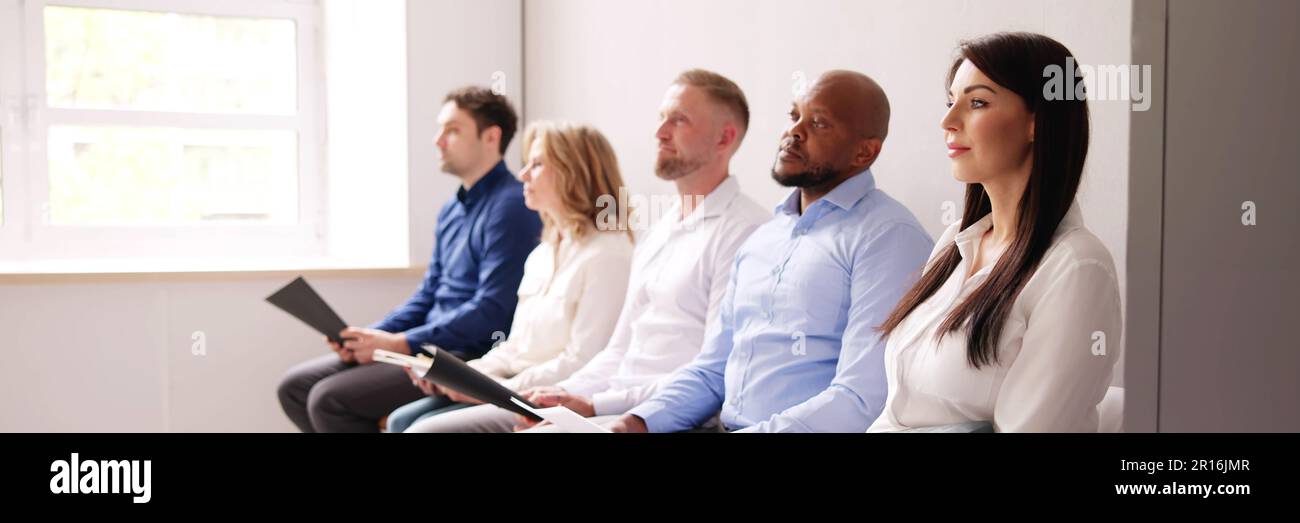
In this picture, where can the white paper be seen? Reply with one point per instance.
(565, 419)
(419, 365)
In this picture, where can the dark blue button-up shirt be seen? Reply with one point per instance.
(468, 297)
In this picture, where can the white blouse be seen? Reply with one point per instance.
(568, 305)
(1056, 353)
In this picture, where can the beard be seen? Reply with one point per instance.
(672, 168)
(813, 176)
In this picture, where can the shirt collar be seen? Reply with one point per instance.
(969, 237)
(1073, 218)
(847, 194)
(714, 204)
(484, 185)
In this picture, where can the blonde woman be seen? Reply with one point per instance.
(574, 281)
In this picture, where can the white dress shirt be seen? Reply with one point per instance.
(1056, 352)
(568, 304)
(679, 276)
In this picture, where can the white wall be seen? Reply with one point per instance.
(453, 43)
(114, 353)
(608, 63)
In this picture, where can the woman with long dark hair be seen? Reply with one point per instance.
(1016, 318)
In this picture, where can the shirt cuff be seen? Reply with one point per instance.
(651, 413)
(581, 388)
(476, 364)
(418, 348)
(509, 383)
(416, 338)
(611, 402)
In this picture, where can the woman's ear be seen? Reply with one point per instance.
(1031, 128)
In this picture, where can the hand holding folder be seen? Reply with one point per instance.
(300, 300)
(448, 371)
(444, 368)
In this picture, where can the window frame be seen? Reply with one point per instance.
(27, 235)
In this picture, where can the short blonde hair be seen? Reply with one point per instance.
(721, 90)
(586, 169)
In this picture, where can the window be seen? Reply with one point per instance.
(161, 129)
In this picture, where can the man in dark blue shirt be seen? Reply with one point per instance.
(467, 300)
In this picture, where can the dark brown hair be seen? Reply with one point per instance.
(488, 109)
(1017, 61)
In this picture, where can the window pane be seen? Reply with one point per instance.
(167, 176)
(114, 59)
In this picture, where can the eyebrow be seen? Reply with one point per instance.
(815, 110)
(970, 88)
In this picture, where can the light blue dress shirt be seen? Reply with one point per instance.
(797, 349)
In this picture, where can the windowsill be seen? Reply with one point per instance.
(171, 269)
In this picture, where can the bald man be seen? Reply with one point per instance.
(797, 349)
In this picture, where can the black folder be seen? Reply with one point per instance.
(449, 371)
(300, 300)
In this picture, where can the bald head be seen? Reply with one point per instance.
(856, 99)
(837, 129)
